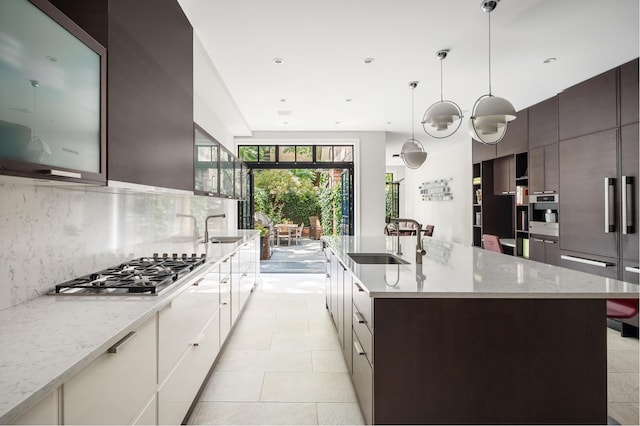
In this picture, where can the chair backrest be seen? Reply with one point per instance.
(491, 243)
(428, 231)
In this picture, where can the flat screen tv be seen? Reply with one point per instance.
(52, 95)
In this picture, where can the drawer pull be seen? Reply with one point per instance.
(538, 192)
(224, 280)
(358, 317)
(585, 261)
(198, 339)
(358, 287)
(121, 343)
(358, 347)
(632, 269)
(197, 283)
(538, 240)
(549, 242)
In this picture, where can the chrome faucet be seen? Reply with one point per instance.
(195, 223)
(420, 251)
(206, 225)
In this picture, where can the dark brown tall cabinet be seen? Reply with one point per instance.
(598, 157)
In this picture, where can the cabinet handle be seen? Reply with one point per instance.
(549, 242)
(627, 205)
(358, 287)
(505, 192)
(198, 339)
(197, 283)
(224, 280)
(538, 192)
(512, 192)
(358, 347)
(538, 240)
(121, 343)
(585, 261)
(546, 192)
(358, 317)
(632, 269)
(609, 212)
(224, 303)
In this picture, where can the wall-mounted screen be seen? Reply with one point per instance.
(51, 90)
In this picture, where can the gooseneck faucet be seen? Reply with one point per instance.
(206, 225)
(419, 249)
(195, 223)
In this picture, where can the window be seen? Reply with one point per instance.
(324, 154)
(392, 197)
(267, 153)
(286, 154)
(248, 153)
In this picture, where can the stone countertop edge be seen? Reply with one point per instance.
(52, 368)
(452, 270)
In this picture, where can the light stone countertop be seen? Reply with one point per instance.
(451, 270)
(47, 340)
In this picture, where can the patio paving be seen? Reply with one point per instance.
(304, 257)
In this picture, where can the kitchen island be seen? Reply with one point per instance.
(52, 340)
(470, 336)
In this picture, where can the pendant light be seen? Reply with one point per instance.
(442, 119)
(412, 152)
(491, 114)
(36, 149)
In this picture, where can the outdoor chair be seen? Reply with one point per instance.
(299, 233)
(283, 231)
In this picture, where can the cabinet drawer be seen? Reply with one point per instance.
(178, 392)
(115, 387)
(363, 333)
(362, 302)
(363, 383)
(183, 319)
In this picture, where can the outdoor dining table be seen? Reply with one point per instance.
(289, 229)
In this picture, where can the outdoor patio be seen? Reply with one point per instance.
(304, 257)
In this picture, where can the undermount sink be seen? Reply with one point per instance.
(224, 239)
(377, 258)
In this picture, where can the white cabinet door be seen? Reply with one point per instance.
(149, 414)
(45, 412)
(178, 392)
(235, 286)
(184, 318)
(116, 387)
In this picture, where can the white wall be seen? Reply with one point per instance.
(369, 169)
(452, 219)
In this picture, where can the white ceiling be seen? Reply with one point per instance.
(324, 44)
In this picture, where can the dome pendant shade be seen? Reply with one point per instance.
(440, 116)
(490, 117)
(412, 154)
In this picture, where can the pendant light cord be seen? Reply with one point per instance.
(489, 53)
(412, 113)
(441, 96)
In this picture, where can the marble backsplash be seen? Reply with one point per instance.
(51, 234)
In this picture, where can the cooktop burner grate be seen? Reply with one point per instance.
(145, 275)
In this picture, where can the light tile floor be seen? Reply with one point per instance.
(283, 364)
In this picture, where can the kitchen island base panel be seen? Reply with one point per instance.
(442, 361)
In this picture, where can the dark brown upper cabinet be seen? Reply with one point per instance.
(482, 152)
(504, 175)
(629, 92)
(150, 90)
(515, 140)
(543, 170)
(589, 107)
(543, 123)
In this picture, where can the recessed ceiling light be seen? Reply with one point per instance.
(278, 60)
(396, 155)
(348, 100)
(283, 100)
(285, 122)
(337, 122)
(368, 60)
(388, 122)
(549, 60)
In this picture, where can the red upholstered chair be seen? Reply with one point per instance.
(622, 308)
(491, 243)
